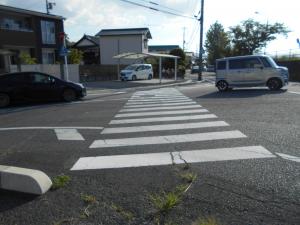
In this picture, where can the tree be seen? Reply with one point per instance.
(169, 63)
(217, 43)
(251, 35)
(26, 59)
(75, 56)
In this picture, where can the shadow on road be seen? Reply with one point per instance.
(242, 93)
(10, 199)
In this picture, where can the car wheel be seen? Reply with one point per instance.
(274, 84)
(133, 77)
(4, 100)
(69, 95)
(150, 77)
(222, 85)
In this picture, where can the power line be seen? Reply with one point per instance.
(159, 5)
(156, 9)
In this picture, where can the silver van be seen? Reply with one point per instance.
(250, 71)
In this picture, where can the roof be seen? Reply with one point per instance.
(30, 12)
(134, 55)
(163, 48)
(128, 31)
(93, 39)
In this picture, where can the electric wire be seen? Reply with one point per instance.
(156, 9)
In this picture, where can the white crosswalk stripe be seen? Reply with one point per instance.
(179, 114)
(164, 119)
(107, 143)
(160, 104)
(158, 113)
(161, 108)
(179, 126)
(160, 101)
(170, 158)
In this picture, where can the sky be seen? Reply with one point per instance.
(90, 16)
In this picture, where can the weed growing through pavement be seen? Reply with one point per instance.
(188, 177)
(164, 202)
(60, 181)
(124, 213)
(207, 221)
(90, 200)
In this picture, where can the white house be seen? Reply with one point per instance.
(116, 41)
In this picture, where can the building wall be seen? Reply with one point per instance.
(28, 39)
(113, 45)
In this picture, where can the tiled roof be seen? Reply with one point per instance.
(128, 31)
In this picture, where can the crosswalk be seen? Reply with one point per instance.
(164, 117)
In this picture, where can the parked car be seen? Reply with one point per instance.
(137, 71)
(35, 86)
(211, 68)
(250, 71)
(195, 69)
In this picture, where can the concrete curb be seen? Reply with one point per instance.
(24, 180)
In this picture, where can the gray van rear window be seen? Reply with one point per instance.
(221, 65)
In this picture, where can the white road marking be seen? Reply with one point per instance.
(169, 158)
(161, 108)
(294, 92)
(110, 93)
(158, 99)
(160, 104)
(289, 157)
(181, 126)
(170, 139)
(164, 119)
(49, 128)
(157, 113)
(68, 135)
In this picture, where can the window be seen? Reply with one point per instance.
(48, 56)
(48, 32)
(221, 65)
(38, 78)
(245, 63)
(265, 62)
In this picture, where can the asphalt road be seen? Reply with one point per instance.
(245, 156)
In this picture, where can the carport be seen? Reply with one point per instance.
(133, 55)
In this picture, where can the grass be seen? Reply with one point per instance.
(188, 177)
(124, 213)
(88, 199)
(164, 202)
(60, 181)
(207, 221)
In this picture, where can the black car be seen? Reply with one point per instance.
(35, 86)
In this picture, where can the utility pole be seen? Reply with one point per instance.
(201, 41)
(183, 42)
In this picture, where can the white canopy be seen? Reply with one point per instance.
(134, 55)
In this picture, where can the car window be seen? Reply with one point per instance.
(38, 78)
(246, 63)
(265, 62)
(221, 65)
(252, 63)
(236, 64)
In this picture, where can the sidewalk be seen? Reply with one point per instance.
(115, 85)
